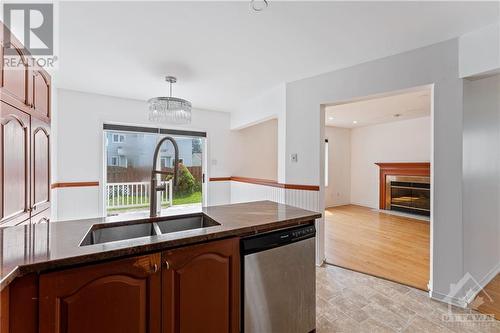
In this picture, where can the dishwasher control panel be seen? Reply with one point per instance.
(303, 232)
(276, 238)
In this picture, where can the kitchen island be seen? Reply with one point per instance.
(52, 272)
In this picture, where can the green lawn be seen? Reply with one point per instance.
(187, 199)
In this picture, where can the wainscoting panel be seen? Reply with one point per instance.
(303, 199)
(244, 192)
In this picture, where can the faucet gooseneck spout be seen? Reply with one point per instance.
(154, 187)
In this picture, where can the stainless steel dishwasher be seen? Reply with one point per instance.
(278, 276)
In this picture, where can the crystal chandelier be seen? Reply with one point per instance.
(169, 109)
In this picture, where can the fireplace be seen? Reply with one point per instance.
(409, 194)
(405, 187)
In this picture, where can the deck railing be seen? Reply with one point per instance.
(124, 195)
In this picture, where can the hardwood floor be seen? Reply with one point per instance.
(488, 300)
(380, 244)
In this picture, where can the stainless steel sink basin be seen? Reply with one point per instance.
(102, 233)
(185, 223)
(111, 232)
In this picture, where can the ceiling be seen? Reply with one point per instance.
(223, 54)
(380, 110)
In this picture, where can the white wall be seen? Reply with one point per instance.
(481, 182)
(271, 104)
(255, 152)
(400, 141)
(338, 191)
(79, 156)
(480, 51)
(436, 64)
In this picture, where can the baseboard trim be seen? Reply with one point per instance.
(448, 300)
(463, 302)
(321, 262)
(470, 296)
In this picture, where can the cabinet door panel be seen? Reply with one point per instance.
(201, 288)
(15, 169)
(116, 297)
(14, 72)
(40, 169)
(40, 92)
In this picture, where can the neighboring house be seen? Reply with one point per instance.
(136, 150)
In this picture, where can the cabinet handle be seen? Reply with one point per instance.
(167, 264)
(155, 268)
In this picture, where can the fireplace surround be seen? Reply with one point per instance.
(405, 187)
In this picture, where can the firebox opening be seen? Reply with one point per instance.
(408, 194)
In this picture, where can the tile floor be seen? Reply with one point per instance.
(348, 301)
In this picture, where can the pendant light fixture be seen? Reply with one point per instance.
(170, 109)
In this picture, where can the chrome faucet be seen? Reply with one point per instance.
(155, 188)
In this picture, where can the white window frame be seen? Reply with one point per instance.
(116, 159)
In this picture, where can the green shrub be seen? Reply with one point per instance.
(197, 186)
(186, 183)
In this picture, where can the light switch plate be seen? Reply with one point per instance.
(294, 158)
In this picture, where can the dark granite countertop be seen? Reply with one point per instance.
(42, 247)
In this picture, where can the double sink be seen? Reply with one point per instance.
(111, 232)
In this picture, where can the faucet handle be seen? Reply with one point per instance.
(160, 172)
(162, 187)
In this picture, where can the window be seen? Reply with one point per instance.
(166, 162)
(129, 161)
(326, 163)
(123, 162)
(118, 138)
(119, 161)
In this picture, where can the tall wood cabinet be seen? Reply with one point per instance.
(24, 136)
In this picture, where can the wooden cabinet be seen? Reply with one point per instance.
(22, 83)
(195, 290)
(40, 165)
(39, 92)
(4, 310)
(23, 305)
(116, 297)
(201, 288)
(25, 134)
(14, 72)
(15, 172)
